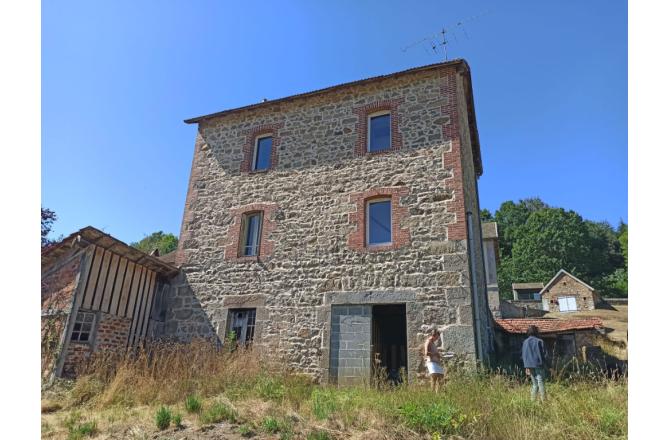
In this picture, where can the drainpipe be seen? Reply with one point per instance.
(474, 284)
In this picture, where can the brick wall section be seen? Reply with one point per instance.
(363, 112)
(112, 332)
(232, 250)
(400, 235)
(452, 160)
(59, 283)
(312, 184)
(249, 146)
(76, 359)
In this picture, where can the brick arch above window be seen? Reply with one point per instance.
(249, 147)
(400, 236)
(362, 127)
(233, 247)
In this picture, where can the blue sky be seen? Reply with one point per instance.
(119, 77)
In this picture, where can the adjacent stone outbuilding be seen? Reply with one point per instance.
(567, 293)
(98, 294)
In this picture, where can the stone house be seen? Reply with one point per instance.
(335, 228)
(567, 293)
(98, 294)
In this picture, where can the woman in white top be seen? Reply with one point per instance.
(433, 360)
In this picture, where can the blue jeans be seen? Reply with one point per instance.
(537, 383)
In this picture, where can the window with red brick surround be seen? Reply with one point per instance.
(252, 136)
(362, 126)
(233, 249)
(400, 236)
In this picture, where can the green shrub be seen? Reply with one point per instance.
(323, 403)
(245, 431)
(270, 388)
(80, 430)
(318, 435)
(270, 425)
(162, 418)
(193, 404)
(433, 417)
(218, 413)
(612, 421)
(177, 420)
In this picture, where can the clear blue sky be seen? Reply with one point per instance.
(119, 77)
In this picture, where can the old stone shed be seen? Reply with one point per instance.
(567, 293)
(98, 294)
(338, 226)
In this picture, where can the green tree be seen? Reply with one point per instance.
(164, 243)
(552, 239)
(48, 218)
(486, 216)
(510, 216)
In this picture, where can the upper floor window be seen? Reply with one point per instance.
(252, 231)
(380, 132)
(379, 222)
(83, 326)
(262, 154)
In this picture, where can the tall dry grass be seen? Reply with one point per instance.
(475, 405)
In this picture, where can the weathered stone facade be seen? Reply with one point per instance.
(317, 268)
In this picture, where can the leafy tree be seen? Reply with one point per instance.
(48, 218)
(623, 238)
(510, 216)
(486, 216)
(164, 243)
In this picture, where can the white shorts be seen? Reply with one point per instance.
(434, 368)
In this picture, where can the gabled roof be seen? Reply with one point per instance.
(460, 63)
(523, 286)
(90, 235)
(563, 272)
(547, 325)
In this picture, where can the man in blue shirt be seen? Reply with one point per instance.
(534, 358)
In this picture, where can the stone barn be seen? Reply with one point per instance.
(564, 339)
(98, 294)
(335, 228)
(566, 293)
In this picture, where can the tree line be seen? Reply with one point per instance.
(536, 240)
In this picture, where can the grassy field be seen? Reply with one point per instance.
(201, 393)
(615, 319)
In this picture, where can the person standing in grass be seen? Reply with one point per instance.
(433, 360)
(533, 357)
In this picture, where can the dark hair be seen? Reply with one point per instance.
(532, 330)
(435, 332)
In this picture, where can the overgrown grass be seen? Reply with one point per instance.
(218, 386)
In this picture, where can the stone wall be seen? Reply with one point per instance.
(565, 285)
(313, 188)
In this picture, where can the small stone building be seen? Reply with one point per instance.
(567, 293)
(337, 227)
(564, 339)
(98, 294)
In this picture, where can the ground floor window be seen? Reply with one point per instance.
(242, 324)
(83, 326)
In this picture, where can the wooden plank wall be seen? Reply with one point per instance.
(120, 287)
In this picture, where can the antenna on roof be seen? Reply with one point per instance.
(441, 38)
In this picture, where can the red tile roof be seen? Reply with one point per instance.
(547, 325)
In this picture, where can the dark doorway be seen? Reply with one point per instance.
(388, 342)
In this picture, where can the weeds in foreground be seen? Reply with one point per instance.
(221, 386)
(77, 430)
(219, 412)
(162, 418)
(193, 404)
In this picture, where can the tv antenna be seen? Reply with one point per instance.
(441, 39)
